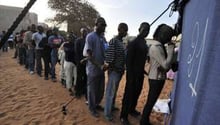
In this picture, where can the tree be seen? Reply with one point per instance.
(76, 13)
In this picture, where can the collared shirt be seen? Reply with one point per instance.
(95, 43)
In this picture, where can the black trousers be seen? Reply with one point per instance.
(155, 88)
(81, 82)
(134, 84)
(46, 59)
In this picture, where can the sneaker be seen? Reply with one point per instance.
(53, 79)
(86, 102)
(99, 107)
(109, 118)
(94, 113)
(124, 121)
(39, 74)
(46, 78)
(135, 113)
(31, 72)
(115, 108)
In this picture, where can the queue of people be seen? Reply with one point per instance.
(84, 60)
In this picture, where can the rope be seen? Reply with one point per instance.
(171, 12)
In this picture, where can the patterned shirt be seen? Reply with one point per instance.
(115, 55)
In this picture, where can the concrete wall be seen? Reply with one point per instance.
(9, 14)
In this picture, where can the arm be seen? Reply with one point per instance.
(157, 53)
(130, 56)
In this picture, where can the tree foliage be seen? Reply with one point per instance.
(77, 13)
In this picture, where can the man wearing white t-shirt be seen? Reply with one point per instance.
(37, 37)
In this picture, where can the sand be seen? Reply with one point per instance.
(30, 100)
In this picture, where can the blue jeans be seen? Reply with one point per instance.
(114, 79)
(31, 59)
(95, 89)
(54, 60)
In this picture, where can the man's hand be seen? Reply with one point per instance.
(104, 67)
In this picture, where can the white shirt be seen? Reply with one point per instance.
(37, 37)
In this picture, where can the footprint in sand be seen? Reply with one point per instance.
(2, 114)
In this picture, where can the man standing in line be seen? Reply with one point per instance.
(135, 62)
(30, 54)
(95, 52)
(115, 57)
(80, 87)
(37, 37)
(55, 42)
(70, 64)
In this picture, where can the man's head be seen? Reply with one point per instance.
(163, 33)
(100, 25)
(144, 29)
(40, 29)
(122, 29)
(55, 31)
(83, 32)
(33, 27)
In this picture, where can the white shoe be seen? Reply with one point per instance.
(31, 72)
(86, 102)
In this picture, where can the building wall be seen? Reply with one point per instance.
(9, 14)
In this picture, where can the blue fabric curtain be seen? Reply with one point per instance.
(197, 88)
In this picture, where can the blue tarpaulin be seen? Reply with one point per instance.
(197, 87)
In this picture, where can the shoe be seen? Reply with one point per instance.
(115, 109)
(46, 78)
(100, 108)
(39, 74)
(54, 80)
(71, 92)
(135, 113)
(86, 102)
(94, 114)
(109, 118)
(31, 72)
(125, 121)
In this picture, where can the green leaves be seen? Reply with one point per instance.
(77, 14)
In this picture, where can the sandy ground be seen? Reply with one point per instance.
(30, 100)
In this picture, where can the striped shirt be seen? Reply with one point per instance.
(115, 55)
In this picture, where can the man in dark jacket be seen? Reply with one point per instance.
(80, 87)
(135, 62)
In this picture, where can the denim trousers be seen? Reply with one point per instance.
(95, 90)
(114, 79)
(31, 59)
(54, 60)
(38, 55)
